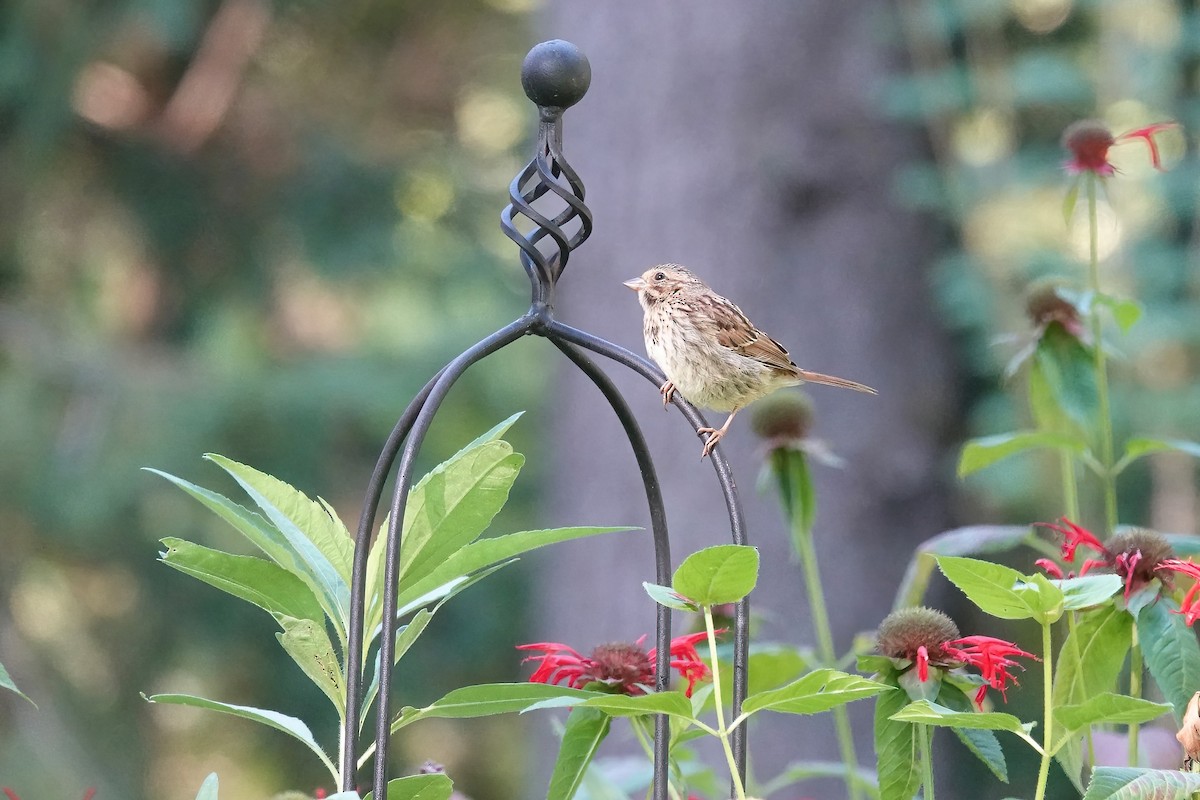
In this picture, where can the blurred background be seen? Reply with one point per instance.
(257, 228)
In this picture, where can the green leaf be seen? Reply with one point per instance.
(1171, 652)
(666, 596)
(983, 743)
(310, 534)
(1111, 708)
(896, 753)
(1001, 591)
(1128, 783)
(927, 713)
(586, 728)
(969, 541)
(488, 699)
(405, 637)
(794, 480)
(1140, 446)
(258, 531)
(308, 644)
(798, 771)
(434, 786)
(1126, 312)
(1088, 590)
(1092, 656)
(674, 704)
(208, 789)
(259, 582)
(987, 450)
(722, 574)
(273, 719)
(1068, 368)
(6, 682)
(819, 690)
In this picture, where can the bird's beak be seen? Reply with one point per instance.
(637, 284)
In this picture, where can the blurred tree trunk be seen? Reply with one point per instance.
(746, 141)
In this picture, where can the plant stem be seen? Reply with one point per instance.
(1101, 361)
(820, 620)
(722, 731)
(925, 737)
(1070, 488)
(1135, 690)
(1047, 713)
(643, 738)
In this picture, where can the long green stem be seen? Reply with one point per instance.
(722, 731)
(820, 619)
(1135, 690)
(1101, 362)
(1069, 486)
(1047, 712)
(925, 737)
(643, 737)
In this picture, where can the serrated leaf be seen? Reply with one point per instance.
(6, 682)
(987, 450)
(982, 743)
(586, 728)
(308, 644)
(1171, 652)
(972, 540)
(310, 532)
(819, 690)
(721, 574)
(434, 786)
(666, 596)
(1140, 446)
(273, 719)
(1111, 708)
(1129, 783)
(896, 754)
(255, 580)
(488, 699)
(1088, 590)
(1001, 591)
(927, 713)
(208, 789)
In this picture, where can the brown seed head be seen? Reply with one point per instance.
(903, 631)
(1045, 303)
(783, 418)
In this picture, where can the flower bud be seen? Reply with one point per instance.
(1088, 142)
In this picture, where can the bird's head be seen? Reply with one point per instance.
(662, 281)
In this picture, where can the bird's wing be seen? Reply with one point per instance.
(735, 331)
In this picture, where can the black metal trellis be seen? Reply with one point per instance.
(555, 76)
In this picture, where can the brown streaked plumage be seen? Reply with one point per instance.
(710, 351)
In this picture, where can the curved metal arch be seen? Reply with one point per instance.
(662, 548)
(737, 520)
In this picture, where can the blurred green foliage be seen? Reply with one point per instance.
(252, 228)
(994, 83)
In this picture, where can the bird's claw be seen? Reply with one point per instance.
(667, 390)
(714, 435)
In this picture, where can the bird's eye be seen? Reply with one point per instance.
(660, 276)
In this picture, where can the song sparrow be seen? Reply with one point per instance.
(711, 353)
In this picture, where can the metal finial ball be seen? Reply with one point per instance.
(556, 73)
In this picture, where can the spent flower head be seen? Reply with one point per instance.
(1134, 555)
(625, 667)
(1089, 140)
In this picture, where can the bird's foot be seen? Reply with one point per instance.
(667, 390)
(714, 435)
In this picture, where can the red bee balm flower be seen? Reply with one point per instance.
(1190, 607)
(991, 657)
(1089, 140)
(628, 667)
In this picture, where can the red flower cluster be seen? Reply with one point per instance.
(627, 667)
(1134, 556)
(991, 657)
(1089, 140)
(1190, 607)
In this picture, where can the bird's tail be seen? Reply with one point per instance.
(829, 380)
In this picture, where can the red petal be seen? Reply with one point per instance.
(1052, 569)
(1147, 135)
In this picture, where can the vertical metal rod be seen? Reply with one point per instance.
(737, 520)
(404, 473)
(362, 547)
(662, 550)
